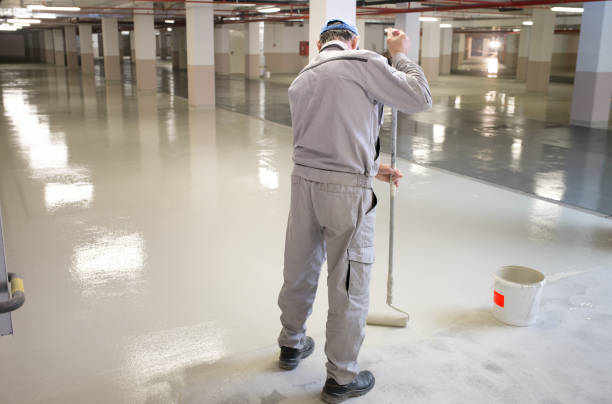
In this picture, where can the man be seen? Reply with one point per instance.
(337, 109)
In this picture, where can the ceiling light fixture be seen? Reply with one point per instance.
(428, 19)
(516, 30)
(45, 16)
(528, 23)
(567, 9)
(24, 20)
(39, 7)
(169, 21)
(446, 26)
(7, 27)
(269, 10)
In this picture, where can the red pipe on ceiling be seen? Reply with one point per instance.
(520, 3)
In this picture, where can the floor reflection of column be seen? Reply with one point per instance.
(61, 85)
(203, 150)
(148, 136)
(114, 113)
(89, 100)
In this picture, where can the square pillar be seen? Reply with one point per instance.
(446, 50)
(110, 44)
(182, 49)
(200, 54)
(42, 47)
(511, 50)
(176, 49)
(144, 44)
(163, 44)
(430, 53)
(71, 46)
(58, 46)
(593, 82)
(86, 42)
(362, 33)
(222, 49)
(132, 48)
(523, 54)
(323, 10)
(49, 47)
(410, 23)
(254, 49)
(540, 50)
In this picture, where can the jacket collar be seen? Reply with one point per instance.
(335, 44)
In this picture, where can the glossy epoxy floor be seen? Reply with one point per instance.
(150, 237)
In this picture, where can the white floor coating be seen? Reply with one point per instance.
(150, 238)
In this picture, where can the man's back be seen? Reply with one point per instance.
(336, 108)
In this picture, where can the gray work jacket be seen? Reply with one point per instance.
(337, 108)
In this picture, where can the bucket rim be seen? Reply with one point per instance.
(498, 278)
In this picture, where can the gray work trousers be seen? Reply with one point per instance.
(337, 221)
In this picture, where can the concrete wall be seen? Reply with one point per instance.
(12, 47)
(282, 47)
(374, 38)
(565, 51)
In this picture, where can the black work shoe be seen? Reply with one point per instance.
(291, 357)
(335, 393)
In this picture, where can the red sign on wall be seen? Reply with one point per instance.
(303, 48)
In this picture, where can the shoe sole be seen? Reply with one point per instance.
(334, 399)
(290, 365)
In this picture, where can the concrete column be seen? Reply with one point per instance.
(132, 48)
(511, 50)
(446, 50)
(110, 44)
(253, 49)
(182, 49)
(71, 46)
(468, 47)
(176, 46)
(593, 81)
(222, 49)
(361, 28)
(163, 44)
(540, 50)
(430, 54)
(200, 55)
(87, 59)
(58, 46)
(410, 24)
(144, 43)
(458, 51)
(42, 47)
(49, 47)
(523, 54)
(323, 10)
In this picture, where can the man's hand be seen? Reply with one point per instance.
(397, 41)
(385, 172)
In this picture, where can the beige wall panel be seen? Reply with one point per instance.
(112, 68)
(538, 76)
(431, 68)
(146, 77)
(285, 62)
(201, 82)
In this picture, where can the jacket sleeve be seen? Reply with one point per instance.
(402, 86)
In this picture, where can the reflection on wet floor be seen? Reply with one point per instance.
(482, 128)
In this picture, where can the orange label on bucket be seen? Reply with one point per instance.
(498, 299)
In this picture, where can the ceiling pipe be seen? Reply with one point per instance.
(522, 3)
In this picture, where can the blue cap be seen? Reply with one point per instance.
(343, 25)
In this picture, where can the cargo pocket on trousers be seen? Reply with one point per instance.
(360, 260)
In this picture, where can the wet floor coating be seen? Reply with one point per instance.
(150, 238)
(483, 128)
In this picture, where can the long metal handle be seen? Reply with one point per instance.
(392, 206)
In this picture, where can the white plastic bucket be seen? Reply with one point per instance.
(517, 292)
